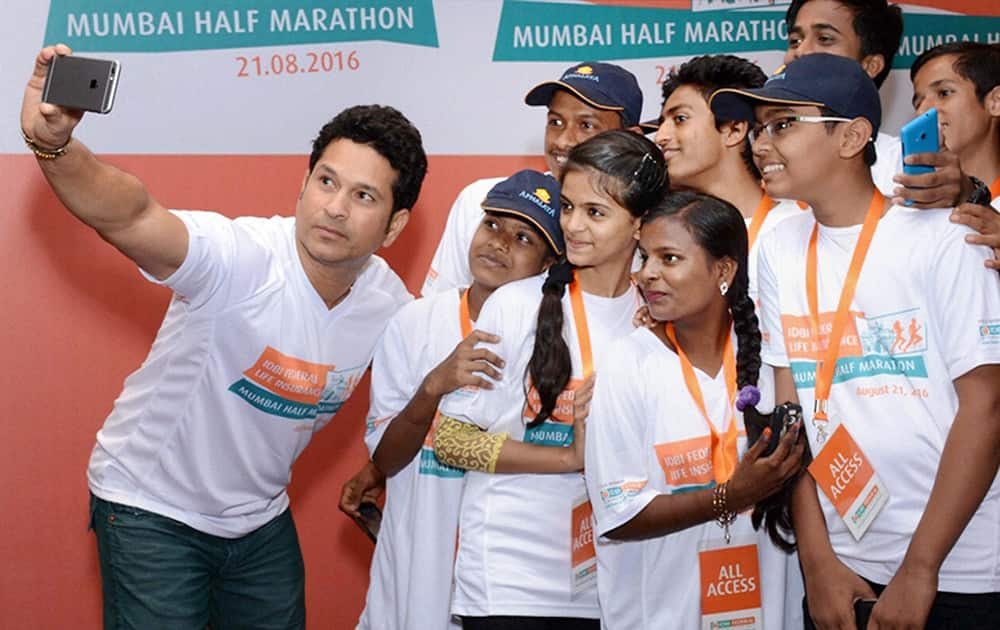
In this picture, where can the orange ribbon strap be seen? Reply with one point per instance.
(827, 365)
(582, 330)
(464, 320)
(724, 456)
(763, 209)
(995, 188)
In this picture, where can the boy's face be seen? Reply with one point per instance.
(798, 156)
(825, 26)
(506, 248)
(687, 136)
(570, 122)
(963, 120)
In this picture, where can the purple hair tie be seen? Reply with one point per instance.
(748, 397)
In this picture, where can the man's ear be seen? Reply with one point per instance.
(992, 102)
(873, 65)
(734, 132)
(396, 224)
(856, 136)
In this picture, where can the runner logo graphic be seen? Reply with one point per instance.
(893, 343)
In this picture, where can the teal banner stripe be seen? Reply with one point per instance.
(849, 368)
(270, 403)
(173, 25)
(531, 31)
(923, 31)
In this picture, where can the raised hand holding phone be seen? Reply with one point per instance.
(47, 126)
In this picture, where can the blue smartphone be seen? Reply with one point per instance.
(920, 135)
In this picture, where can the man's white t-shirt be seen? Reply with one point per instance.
(411, 571)
(925, 312)
(514, 554)
(646, 437)
(450, 265)
(247, 365)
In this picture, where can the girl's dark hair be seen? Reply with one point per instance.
(719, 228)
(630, 169)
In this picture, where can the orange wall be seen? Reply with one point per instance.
(77, 318)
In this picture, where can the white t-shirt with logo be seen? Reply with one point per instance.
(411, 572)
(248, 364)
(450, 265)
(514, 554)
(925, 312)
(646, 437)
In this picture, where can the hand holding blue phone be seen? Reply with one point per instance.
(920, 135)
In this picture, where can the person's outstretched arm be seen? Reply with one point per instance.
(115, 203)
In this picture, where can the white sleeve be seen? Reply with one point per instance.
(969, 335)
(484, 407)
(221, 264)
(615, 471)
(772, 338)
(450, 265)
(394, 380)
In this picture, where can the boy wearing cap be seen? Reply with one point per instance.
(418, 362)
(587, 99)
(962, 81)
(870, 31)
(899, 393)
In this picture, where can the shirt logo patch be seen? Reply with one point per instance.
(989, 333)
(295, 389)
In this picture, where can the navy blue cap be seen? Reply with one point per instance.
(820, 79)
(531, 196)
(600, 85)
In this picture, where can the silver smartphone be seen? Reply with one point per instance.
(82, 83)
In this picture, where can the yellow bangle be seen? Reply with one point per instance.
(43, 153)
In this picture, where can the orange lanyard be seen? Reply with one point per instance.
(828, 364)
(763, 209)
(464, 320)
(995, 188)
(582, 330)
(724, 455)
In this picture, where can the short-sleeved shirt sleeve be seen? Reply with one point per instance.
(225, 260)
(966, 305)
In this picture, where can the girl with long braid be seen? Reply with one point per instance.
(669, 489)
(526, 558)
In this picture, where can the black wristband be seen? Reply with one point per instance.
(981, 195)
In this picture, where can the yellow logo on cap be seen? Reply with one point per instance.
(585, 70)
(543, 194)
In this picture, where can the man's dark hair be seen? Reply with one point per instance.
(709, 73)
(878, 24)
(974, 61)
(387, 131)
